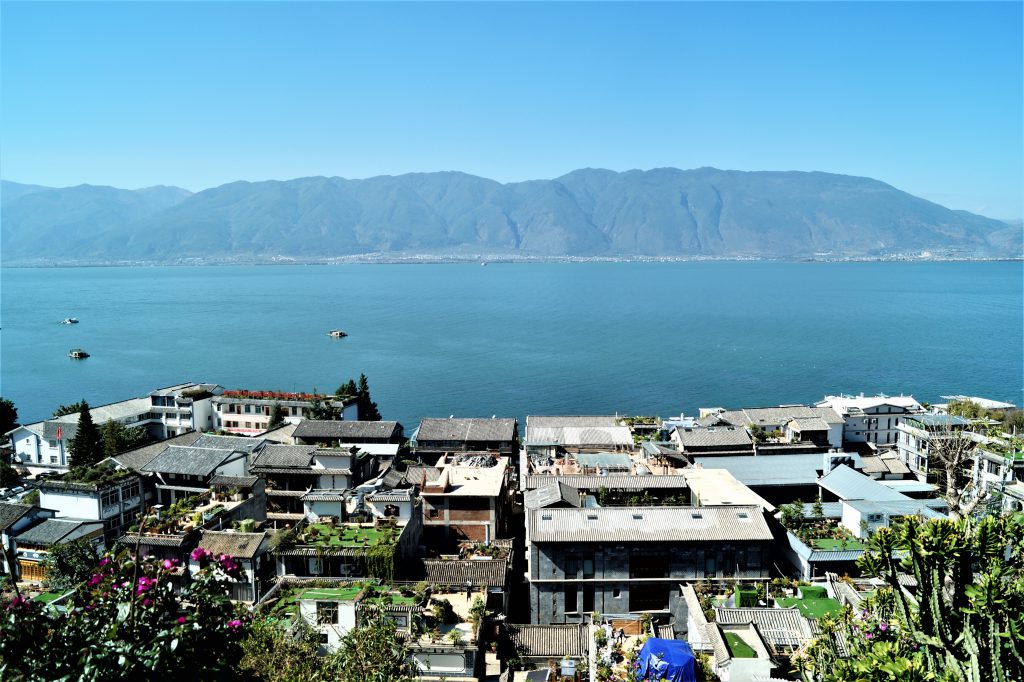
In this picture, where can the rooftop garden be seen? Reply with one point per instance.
(815, 530)
(836, 544)
(374, 545)
(99, 475)
(737, 647)
(344, 535)
(813, 602)
(182, 516)
(275, 395)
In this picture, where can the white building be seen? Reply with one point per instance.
(871, 419)
(248, 412)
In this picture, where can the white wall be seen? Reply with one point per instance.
(69, 504)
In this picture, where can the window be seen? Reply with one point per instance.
(326, 613)
(248, 425)
(588, 569)
(434, 513)
(588, 597)
(108, 498)
(571, 601)
(53, 459)
(248, 409)
(323, 638)
(52, 443)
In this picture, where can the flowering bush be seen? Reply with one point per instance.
(127, 622)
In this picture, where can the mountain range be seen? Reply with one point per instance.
(666, 212)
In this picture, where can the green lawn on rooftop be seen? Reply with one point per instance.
(831, 544)
(349, 537)
(737, 647)
(47, 597)
(811, 608)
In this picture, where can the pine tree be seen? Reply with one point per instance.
(86, 448)
(367, 409)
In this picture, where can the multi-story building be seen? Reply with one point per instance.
(469, 500)
(919, 435)
(113, 497)
(619, 560)
(165, 412)
(249, 412)
(871, 419)
(15, 518)
(820, 427)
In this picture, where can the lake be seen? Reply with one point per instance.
(518, 339)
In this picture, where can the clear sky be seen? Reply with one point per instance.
(925, 96)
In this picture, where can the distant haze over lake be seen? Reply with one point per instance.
(518, 339)
(663, 212)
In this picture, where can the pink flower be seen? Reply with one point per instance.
(199, 554)
(234, 624)
(104, 561)
(147, 602)
(144, 584)
(170, 564)
(867, 636)
(883, 626)
(182, 620)
(95, 580)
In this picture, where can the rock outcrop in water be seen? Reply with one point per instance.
(661, 212)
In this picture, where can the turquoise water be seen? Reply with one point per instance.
(518, 339)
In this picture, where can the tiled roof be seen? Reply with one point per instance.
(324, 428)
(770, 416)
(649, 524)
(49, 532)
(781, 627)
(239, 443)
(466, 430)
(884, 464)
(191, 460)
(493, 573)
(242, 545)
(140, 457)
(714, 436)
(553, 641)
(10, 513)
(808, 424)
(129, 540)
(325, 496)
(282, 456)
(235, 481)
(416, 475)
(389, 495)
(614, 482)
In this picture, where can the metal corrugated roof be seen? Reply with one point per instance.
(848, 484)
(765, 470)
(613, 482)
(648, 524)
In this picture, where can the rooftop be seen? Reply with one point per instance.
(466, 430)
(469, 480)
(11, 513)
(719, 487)
(141, 456)
(322, 428)
(593, 432)
(649, 524)
(285, 456)
(241, 545)
(714, 436)
(846, 404)
(552, 641)
(190, 460)
(848, 484)
(766, 470)
(773, 416)
(52, 531)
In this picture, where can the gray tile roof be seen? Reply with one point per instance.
(67, 430)
(49, 532)
(11, 513)
(140, 457)
(613, 482)
(352, 430)
(150, 540)
(770, 416)
(765, 470)
(780, 627)
(493, 573)
(239, 443)
(809, 424)
(241, 545)
(416, 475)
(234, 481)
(191, 460)
(285, 456)
(549, 641)
(649, 524)
(466, 430)
(325, 496)
(714, 436)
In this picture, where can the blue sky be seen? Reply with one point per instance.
(925, 96)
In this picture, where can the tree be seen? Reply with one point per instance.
(8, 415)
(965, 621)
(69, 564)
(68, 409)
(276, 416)
(366, 408)
(950, 451)
(347, 390)
(273, 653)
(320, 409)
(118, 438)
(372, 653)
(127, 622)
(8, 476)
(86, 448)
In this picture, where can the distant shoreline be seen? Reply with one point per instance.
(425, 259)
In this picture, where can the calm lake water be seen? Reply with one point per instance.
(518, 339)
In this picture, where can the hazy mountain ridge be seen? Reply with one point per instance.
(588, 212)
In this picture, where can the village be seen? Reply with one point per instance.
(561, 548)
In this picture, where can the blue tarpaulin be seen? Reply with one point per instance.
(666, 659)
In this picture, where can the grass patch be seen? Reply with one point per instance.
(811, 608)
(347, 593)
(47, 597)
(737, 647)
(347, 537)
(831, 544)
